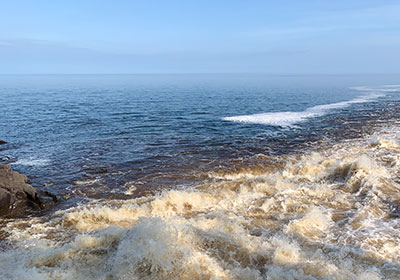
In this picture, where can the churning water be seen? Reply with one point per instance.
(205, 177)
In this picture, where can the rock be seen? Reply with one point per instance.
(16, 196)
(5, 202)
(53, 197)
(101, 170)
(2, 142)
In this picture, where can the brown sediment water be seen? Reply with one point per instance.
(328, 213)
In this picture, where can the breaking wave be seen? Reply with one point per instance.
(287, 119)
(32, 162)
(326, 214)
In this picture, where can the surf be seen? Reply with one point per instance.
(326, 213)
(289, 119)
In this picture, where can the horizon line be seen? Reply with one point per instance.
(198, 73)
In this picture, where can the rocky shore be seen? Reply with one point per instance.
(17, 197)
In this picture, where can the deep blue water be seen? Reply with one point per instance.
(90, 135)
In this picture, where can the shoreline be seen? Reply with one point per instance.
(268, 222)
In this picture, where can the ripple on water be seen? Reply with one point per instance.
(322, 214)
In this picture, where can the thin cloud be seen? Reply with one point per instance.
(382, 17)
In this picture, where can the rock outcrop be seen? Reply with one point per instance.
(16, 195)
(2, 143)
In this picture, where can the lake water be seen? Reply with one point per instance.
(201, 176)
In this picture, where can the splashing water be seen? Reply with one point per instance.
(326, 214)
(287, 119)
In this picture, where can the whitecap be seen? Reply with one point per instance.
(31, 161)
(86, 182)
(287, 119)
(384, 88)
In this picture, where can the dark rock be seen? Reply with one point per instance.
(2, 142)
(53, 197)
(101, 170)
(5, 202)
(16, 196)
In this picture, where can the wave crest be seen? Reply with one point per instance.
(287, 119)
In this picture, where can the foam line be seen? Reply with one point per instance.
(32, 162)
(287, 119)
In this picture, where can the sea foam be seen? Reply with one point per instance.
(327, 214)
(32, 162)
(287, 119)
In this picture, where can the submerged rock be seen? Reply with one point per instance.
(2, 148)
(6, 158)
(16, 195)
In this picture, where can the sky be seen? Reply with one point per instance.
(199, 36)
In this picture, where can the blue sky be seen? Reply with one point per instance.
(170, 36)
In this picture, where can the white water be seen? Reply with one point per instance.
(327, 214)
(31, 161)
(287, 119)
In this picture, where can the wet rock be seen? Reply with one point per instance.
(2, 145)
(101, 170)
(16, 195)
(5, 201)
(53, 197)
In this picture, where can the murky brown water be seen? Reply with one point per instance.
(159, 186)
(331, 212)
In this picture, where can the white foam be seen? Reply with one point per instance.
(287, 119)
(31, 161)
(86, 182)
(321, 215)
(384, 88)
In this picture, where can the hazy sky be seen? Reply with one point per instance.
(146, 36)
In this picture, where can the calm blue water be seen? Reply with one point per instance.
(90, 136)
